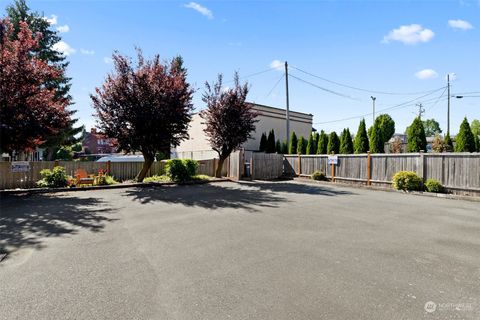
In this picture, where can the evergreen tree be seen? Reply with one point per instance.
(310, 145)
(18, 12)
(284, 147)
(322, 143)
(464, 141)
(448, 143)
(477, 143)
(301, 146)
(278, 147)
(376, 139)
(333, 143)
(316, 138)
(416, 140)
(361, 139)
(385, 128)
(271, 142)
(263, 143)
(346, 143)
(292, 148)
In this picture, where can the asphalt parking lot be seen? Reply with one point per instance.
(272, 250)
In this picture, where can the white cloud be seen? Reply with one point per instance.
(87, 52)
(409, 34)
(63, 47)
(277, 65)
(426, 74)
(201, 9)
(63, 29)
(52, 20)
(460, 24)
(107, 60)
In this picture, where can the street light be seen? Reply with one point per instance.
(373, 100)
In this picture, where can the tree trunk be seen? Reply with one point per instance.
(146, 166)
(218, 173)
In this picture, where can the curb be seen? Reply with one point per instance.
(378, 188)
(113, 186)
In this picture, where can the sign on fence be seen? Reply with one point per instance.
(332, 159)
(20, 166)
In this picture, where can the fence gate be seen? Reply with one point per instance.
(235, 165)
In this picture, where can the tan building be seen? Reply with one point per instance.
(198, 147)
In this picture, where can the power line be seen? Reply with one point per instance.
(252, 75)
(438, 99)
(361, 89)
(398, 106)
(324, 89)
(276, 84)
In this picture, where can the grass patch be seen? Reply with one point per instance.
(164, 178)
(155, 178)
(201, 177)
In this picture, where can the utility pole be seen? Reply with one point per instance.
(448, 108)
(421, 110)
(373, 100)
(287, 113)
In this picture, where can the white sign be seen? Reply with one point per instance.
(20, 166)
(332, 159)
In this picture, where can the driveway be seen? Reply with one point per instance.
(273, 250)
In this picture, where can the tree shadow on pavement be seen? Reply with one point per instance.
(241, 195)
(209, 196)
(25, 220)
(297, 188)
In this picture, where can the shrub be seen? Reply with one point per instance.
(407, 180)
(56, 178)
(191, 166)
(181, 170)
(433, 185)
(319, 176)
(104, 180)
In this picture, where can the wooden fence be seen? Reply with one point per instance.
(456, 171)
(266, 165)
(121, 171)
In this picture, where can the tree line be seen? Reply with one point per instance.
(375, 138)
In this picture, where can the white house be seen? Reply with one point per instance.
(198, 147)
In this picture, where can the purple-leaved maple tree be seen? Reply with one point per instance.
(229, 119)
(29, 109)
(146, 106)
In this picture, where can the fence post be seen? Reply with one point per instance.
(55, 164)
(299, 164)
(251, 167)
(421, 166)
(214, 167)
(108, 168)
(369, 169)
(332, 169)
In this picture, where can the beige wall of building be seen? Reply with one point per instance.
(197, 145)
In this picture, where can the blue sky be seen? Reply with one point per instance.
(386, 46)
